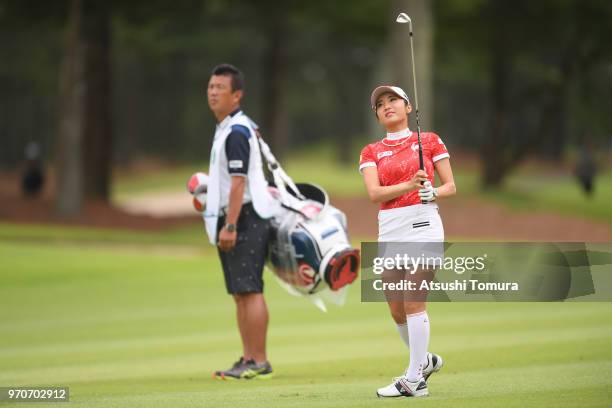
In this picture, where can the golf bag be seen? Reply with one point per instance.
(310, 250)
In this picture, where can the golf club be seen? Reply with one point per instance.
(403, 18)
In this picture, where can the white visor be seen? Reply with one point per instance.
(384, 89)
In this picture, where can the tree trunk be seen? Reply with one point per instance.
(97, 148)
(69, 163)
(274, 89)
(496, 154)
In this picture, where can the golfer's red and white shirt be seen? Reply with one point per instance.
(397, 160)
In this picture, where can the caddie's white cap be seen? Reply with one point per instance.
(384, 89)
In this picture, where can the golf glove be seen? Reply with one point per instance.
(428, 192)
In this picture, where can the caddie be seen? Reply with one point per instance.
(238, 208)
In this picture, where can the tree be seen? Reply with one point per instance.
(532, 73)
(69, 158)
(352, 35)
(513, 76)
(275, 63)
(97, 149)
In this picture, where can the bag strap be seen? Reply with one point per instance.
(281, 179)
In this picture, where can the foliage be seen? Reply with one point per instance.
(556, 57)
(533, 74)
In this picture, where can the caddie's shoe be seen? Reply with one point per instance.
(234, 373)
(401, 387)
(434, 364)
(261, 371)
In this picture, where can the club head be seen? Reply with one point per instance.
(403, 18)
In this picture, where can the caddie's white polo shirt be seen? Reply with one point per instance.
(234, 159)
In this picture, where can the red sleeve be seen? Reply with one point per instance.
(438, 148)
(366, 158)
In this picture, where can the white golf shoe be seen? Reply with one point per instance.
(401, 387)
(434, 364)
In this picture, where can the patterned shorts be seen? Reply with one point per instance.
(243, 265)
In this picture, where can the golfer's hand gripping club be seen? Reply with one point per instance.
(428, 193)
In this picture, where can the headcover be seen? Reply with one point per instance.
(197, 185)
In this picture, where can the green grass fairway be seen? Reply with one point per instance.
(145, 325)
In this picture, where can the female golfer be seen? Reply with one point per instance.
(408, 213)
